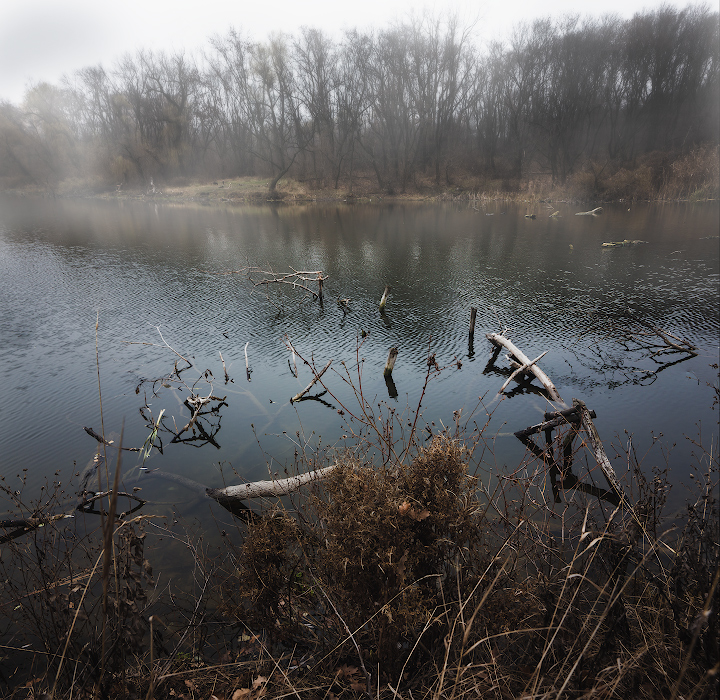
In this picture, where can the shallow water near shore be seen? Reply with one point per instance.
(140, 266)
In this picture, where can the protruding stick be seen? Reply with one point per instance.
(473, 314)
(520, 370)
(293, 366)
(384, 299)
(320, 288)
(598, 449)
(227, 376)
(299, 395)
(247, 364)
(390, 362)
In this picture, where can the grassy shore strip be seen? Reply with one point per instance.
(656, 176)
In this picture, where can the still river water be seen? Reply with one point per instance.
(142, 264)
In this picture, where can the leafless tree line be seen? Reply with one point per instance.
(418, 101)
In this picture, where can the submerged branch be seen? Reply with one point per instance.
(302, 393)
(109, 443)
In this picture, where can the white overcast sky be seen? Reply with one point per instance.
(41, 40)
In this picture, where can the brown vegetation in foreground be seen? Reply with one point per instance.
(410, 573)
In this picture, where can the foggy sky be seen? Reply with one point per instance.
(41, 40)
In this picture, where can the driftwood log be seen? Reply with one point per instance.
(593, 212)
(500, 340)
(232, 497)
(622, 244)
(262, 489)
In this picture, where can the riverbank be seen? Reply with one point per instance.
(655, 177)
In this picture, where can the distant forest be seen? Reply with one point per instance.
(419, 102)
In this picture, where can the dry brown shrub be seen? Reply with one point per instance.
(268, 556)
(374, 548)
(630, 184)
(583, 185)
(695, 175)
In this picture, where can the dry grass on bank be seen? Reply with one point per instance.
(665, 176)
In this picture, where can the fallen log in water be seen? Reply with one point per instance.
(522, 369)
(561, 466)
(263, 489)
(622, 244)
(593, 212)
(500, 340)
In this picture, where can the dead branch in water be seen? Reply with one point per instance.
(593, 212)
(522, 369)
(25, 525)
(293, 366)
(297, 279)
(649, 331)
(552, 420)
(227, 376)
(165, 345)
(598, 449)
(527, 365)
(302, 393)
(195, 403)
(109, 443)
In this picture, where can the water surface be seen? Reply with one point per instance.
(139, 266)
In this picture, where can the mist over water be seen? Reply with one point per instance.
(138, 266)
